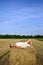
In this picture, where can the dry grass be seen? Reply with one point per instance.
(16, 56)
(22, 56)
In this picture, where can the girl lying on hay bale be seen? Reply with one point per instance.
(22, 44)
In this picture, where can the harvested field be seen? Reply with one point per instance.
(17, 56)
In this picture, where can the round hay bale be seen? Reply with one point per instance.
(22, 56)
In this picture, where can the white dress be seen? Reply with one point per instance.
(22, 44)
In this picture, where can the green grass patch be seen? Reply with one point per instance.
(40, 39)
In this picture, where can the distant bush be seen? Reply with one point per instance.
(19, 36)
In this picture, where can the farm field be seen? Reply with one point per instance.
(40, 39)
(16, 56)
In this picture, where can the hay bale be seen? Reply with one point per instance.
(22, 56)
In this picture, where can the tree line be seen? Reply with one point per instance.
(19, 36)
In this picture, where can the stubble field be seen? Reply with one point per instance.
(17, 56)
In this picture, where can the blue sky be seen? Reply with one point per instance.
(21, 17)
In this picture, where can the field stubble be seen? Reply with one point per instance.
(16, 56)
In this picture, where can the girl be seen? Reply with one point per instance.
(22, 44)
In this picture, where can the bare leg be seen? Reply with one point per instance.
(30, 42)
(12, 45)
